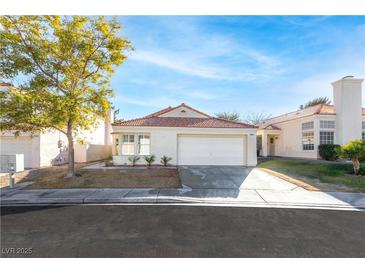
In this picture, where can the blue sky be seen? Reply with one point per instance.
(246, 64)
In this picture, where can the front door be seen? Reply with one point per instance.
(272, 146)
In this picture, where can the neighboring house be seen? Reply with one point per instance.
(188, 136)
(298, 133)
(50, 147)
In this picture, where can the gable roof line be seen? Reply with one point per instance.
(296, 118)
(317, 110)
(168, 109)
(162, 111)
(235, 122)
(299, 110)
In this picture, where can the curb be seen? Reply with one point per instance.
(191, 202)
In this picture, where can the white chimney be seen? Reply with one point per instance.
(347, 97)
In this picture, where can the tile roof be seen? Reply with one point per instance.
(270, 127)
(154, 120)
(321, 109)
(211, 122)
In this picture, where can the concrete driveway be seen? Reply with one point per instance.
(231, 177)
(204, 184)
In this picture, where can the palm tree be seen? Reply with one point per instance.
(316, 101)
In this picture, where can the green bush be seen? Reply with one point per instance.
(165, 160)
(353, 151)
(149, 159)
(133, 160)
(362, 170)
(328, 152)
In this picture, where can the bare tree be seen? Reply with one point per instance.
(256, 118)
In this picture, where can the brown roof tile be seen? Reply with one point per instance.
(211, 122)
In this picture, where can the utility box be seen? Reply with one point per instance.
(15, 161)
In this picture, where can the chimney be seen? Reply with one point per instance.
(347, 97)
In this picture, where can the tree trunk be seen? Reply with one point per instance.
(71, 152)
(356, 165)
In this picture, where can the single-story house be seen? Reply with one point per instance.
(298, 133)
(50, 148)
(188, 136)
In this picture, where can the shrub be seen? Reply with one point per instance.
(133, 160)
(165, 160)
(362, 170)
(353, 151)
(328, 152)
(149, 159)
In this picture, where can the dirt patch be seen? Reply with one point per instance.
(54, 177)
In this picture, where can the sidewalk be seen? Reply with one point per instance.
(298, 198)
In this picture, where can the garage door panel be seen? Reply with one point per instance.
(196, 150)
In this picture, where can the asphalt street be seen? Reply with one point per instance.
(180, 231)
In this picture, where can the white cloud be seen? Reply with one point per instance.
(190, 65)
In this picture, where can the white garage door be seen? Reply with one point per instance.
(211, 150)
(19, 145)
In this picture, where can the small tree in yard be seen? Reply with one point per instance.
(353, 151)
(133, 160)
(149, 159)
(64, 66)
(165, 160)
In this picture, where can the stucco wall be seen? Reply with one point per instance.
(164, 141)
(91, 152)
(50, 153)
(24, 144)
(97, 135)
(289, 141)
(347, 95)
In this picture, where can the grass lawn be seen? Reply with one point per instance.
(53, 177)
(325, 176)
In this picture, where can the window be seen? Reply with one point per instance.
(308, 140)
(363, 135)
(327, 124)
(135, 144)
(326, 137)
(128, 145)
(143, 144)
(308, 125)
(363, 125)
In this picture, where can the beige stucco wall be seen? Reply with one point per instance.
(99, 135)
(50, 153)
(92, 152)
(347, 97)
(164, 141)
(23, 144)
(289, 140)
